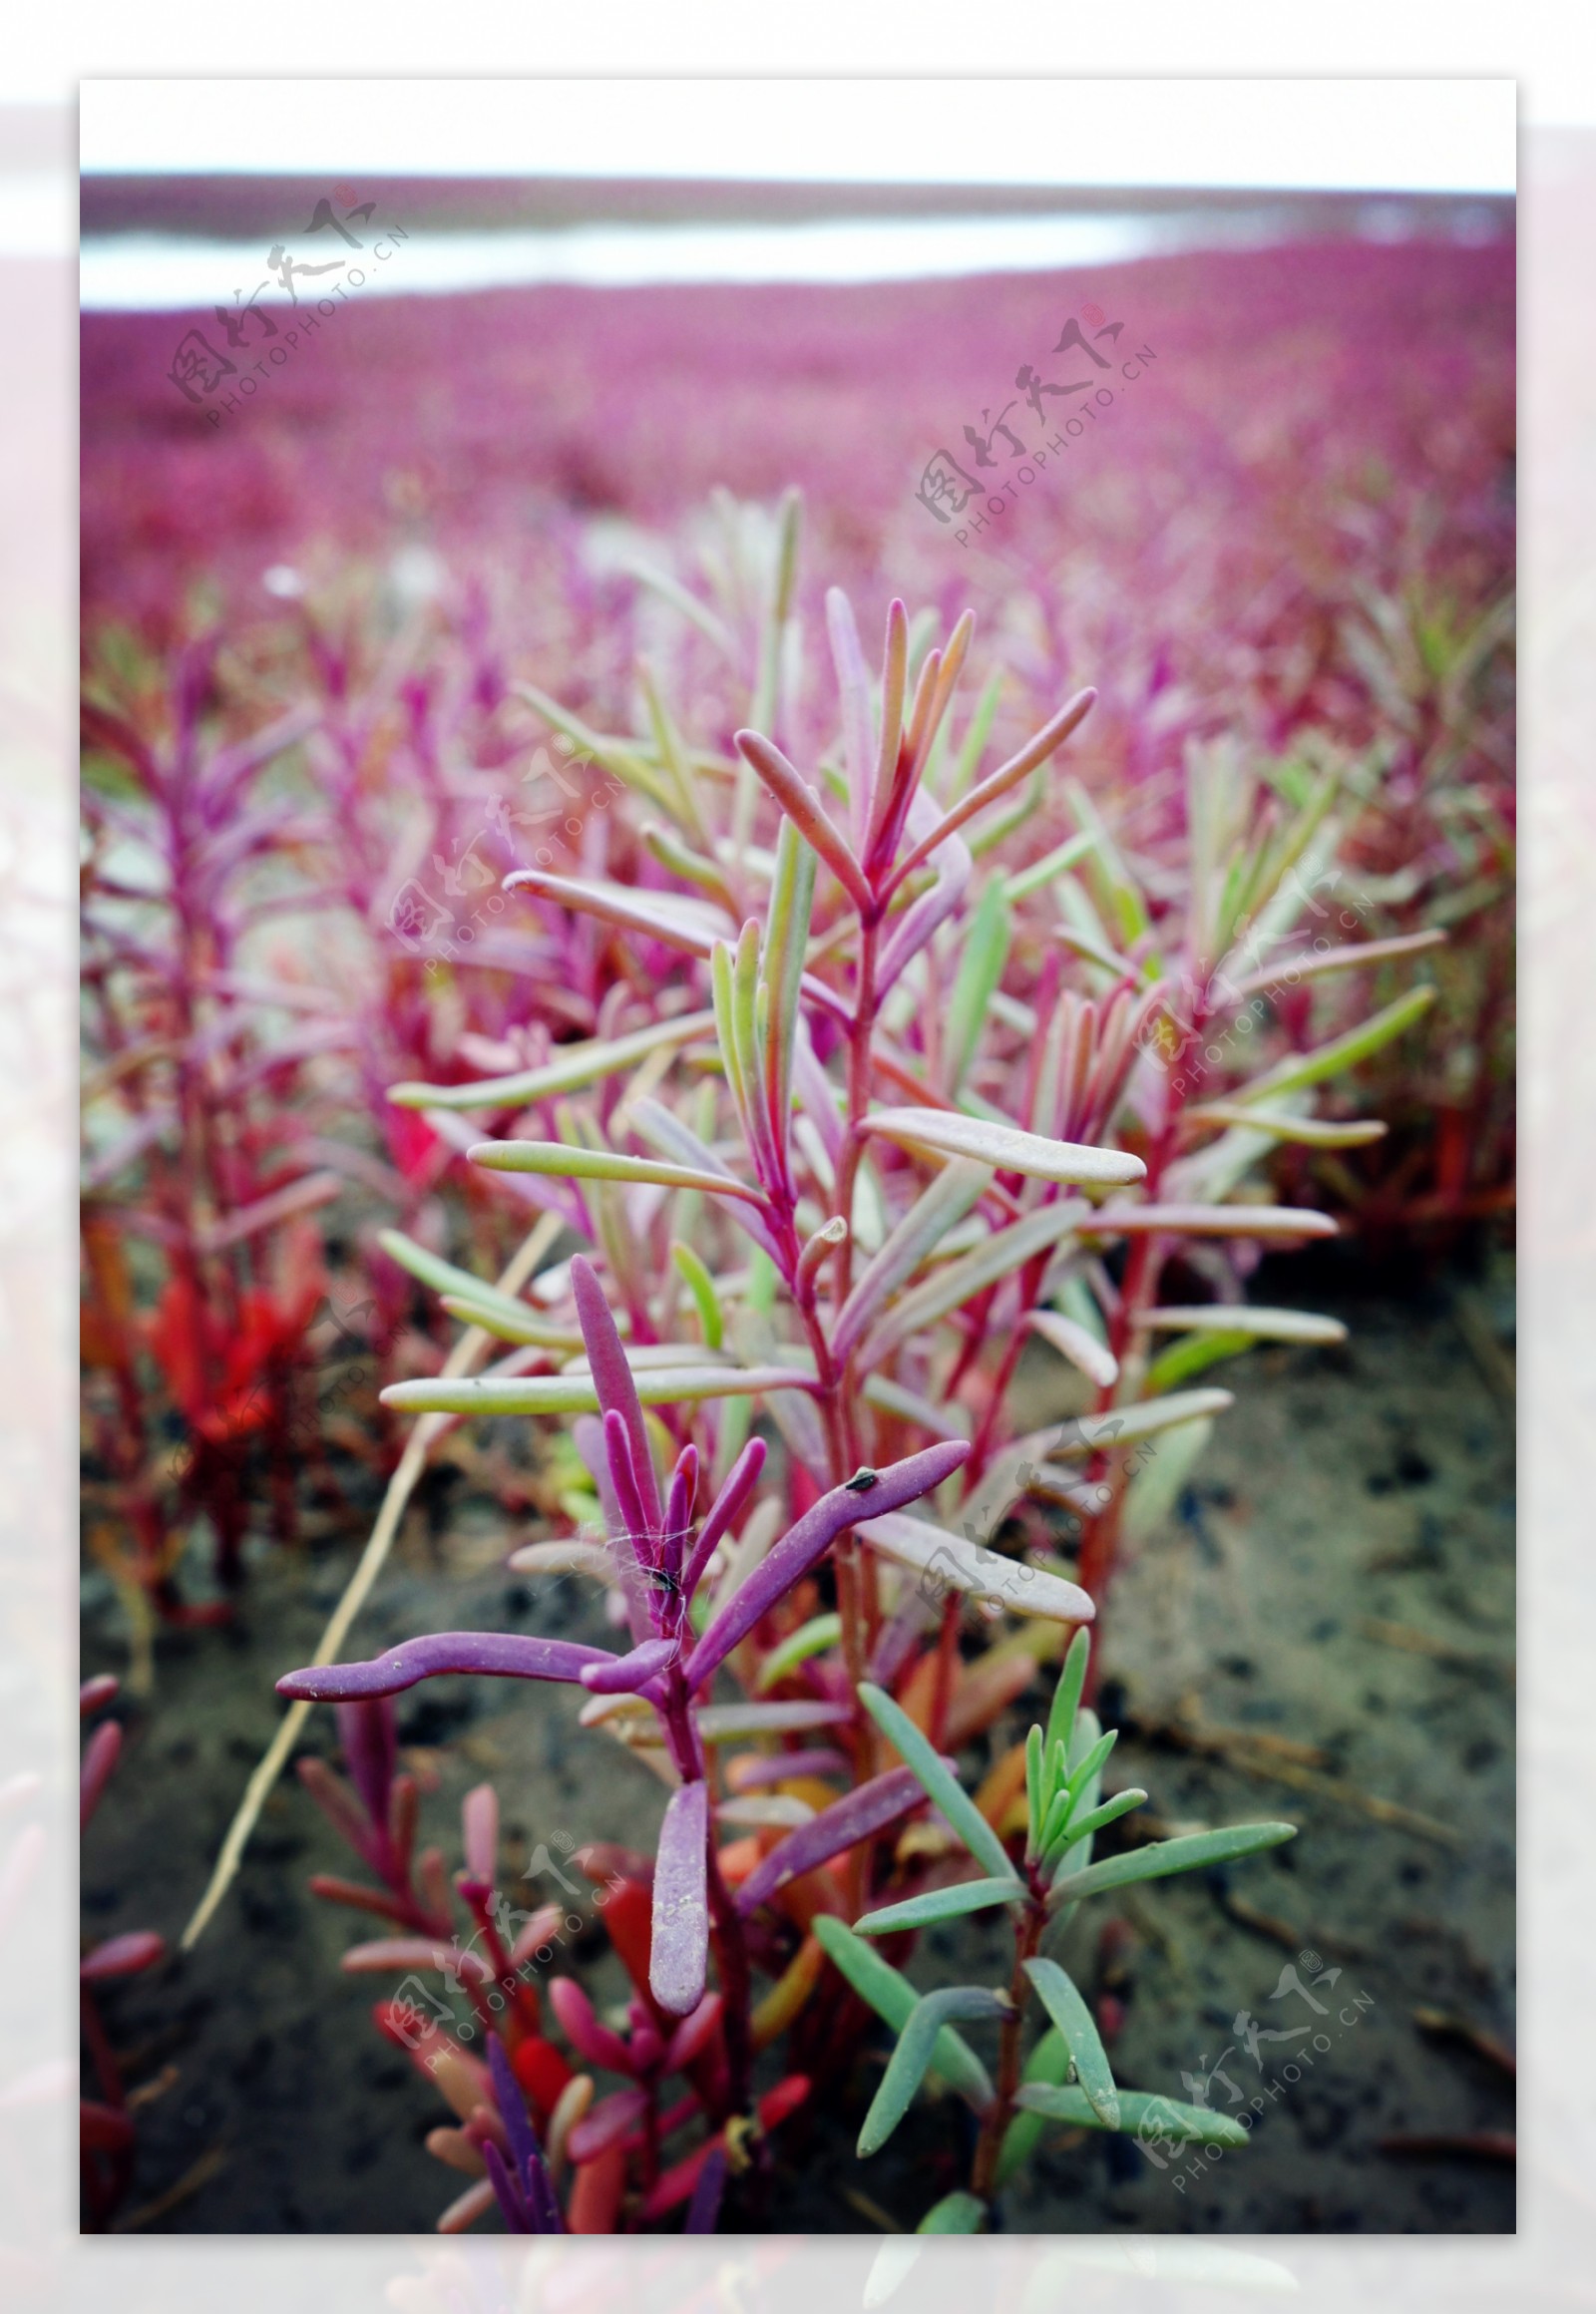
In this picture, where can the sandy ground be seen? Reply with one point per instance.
(1321, 1631)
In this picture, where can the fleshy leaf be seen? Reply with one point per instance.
(811, 1637)
(1062, 2001)
(946, 1562)
(445, 1277)
(940, 1904)
(955, 2214)
(938, 1782)
(1258, 1323)
(496, 1654)
(738, 1486)
(893, 1998)
(1191, 1852)
(726, 1723)
(1138, 2112)
(1307, 1068)
(857, 1817)
(1309, 964)
(1066, 1700)
(703, 2210)
(1214, 1220)
(578, 1164)
(981, 970)
(1035, 753)
(1091, 1821)
(576, 1067)
(612, 1377)
(536, 2183)
(1082, 1348)
(578, 1394)
(630, 1672)
(701, 1285)
(591, 2040)
(680, 1955)
(657, 916)
(1282, 1125)
(805, 1544)
(805, 810)
(960, 2003)
(950, 1134)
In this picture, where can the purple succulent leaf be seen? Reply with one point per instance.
(740, 1481)
(678, 1960)
(587, 1436)
(803, 1545)
(370, 1736)
(703, 2210)
(612, 1377)
(541, 2204)
(679, 1499)
(587, 1432)
(852, 1818)
(499, 1654)
(635, 1523)
(516, 2217)
(627, 1673)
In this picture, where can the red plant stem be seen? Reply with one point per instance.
(994, 2121)
(947, 1663)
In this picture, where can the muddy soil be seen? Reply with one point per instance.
(1322, 1630)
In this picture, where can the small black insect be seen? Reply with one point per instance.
(861, 1483)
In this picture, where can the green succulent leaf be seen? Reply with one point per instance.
(811, 1637)
(940, 1904)
(980, 969)
(938, 1783)
(1061, 1999)
(578, 1066)
(1138, 2112)
(961, 2004)
(701, 1285)
(1370, 1036)
(1066, 1697)
(577, 1164)
(893, 1998)
(1071, 1829)
(578, 1393)
(1191, 1852)
(955, 2214)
